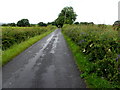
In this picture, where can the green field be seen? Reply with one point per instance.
(97, 53)
(17, 39)
(12, 35)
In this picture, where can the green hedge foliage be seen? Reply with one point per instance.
(12, 35)
(101, 46)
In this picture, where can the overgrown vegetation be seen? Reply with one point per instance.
(16, 49)
(17, 39)
(12, 35)
(101, 47)
(96, 48)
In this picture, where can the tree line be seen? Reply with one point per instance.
(66, 16)
(26, 23)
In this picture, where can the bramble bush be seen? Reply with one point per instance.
(100, 45)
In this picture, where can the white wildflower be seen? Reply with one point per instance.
(84, 50)
(91, 45)
(98, 69)
(109, 50)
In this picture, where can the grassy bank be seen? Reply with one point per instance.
(100, 46)
(92, 80)
(13, 35)
(16, 49)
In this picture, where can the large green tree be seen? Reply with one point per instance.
(23, 23)
(67, 16)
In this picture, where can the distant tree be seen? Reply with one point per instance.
(102, 25)
(4, 25)
(9, 24)
(42, 24)
(116, 25)
(84, 23)
(67, 16)
(23, 23)
(91, 23)
(51, 23)
(32, 25)
(76, 23)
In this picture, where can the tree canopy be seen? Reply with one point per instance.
(116, 23)
(23, 23)
(67, 16)
(9, 24)
(42, 24)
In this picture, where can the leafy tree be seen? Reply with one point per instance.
(116, 25)
(32, 25)
(59, 21)
(102, 25)
(91, 23)
(9, 24)
(42, 24)
(86, 23)
(67, 16)
(76, 23)
(23, 23)
(51, 23)
(4, 25)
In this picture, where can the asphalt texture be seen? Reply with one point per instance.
(46, 64)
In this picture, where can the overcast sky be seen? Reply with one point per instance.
(97, 11)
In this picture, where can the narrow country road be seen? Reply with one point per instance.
(46, 64)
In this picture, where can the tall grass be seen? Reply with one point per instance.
(101, 47)
(92, 80)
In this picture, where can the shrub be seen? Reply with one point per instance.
(100, 44)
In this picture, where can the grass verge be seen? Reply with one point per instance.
(92, 80)
(16, 49)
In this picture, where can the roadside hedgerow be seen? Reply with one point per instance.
(12, 35)
(101, 46)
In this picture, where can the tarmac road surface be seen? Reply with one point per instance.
(46, 64)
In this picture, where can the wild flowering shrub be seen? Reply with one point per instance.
(101, 47)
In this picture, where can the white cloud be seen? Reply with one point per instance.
(98, 11)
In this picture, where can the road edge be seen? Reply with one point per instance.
(7, 56)
(92, 81)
